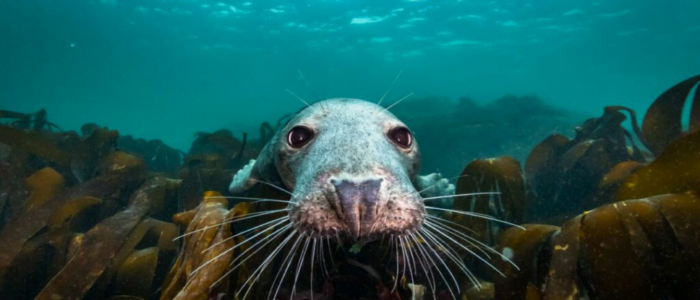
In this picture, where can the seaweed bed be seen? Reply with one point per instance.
(95, 216)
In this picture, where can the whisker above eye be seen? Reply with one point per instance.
(399, 101)
(390, 86)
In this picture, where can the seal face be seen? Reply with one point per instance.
(351, 167)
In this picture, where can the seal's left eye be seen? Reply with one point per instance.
(401, 136)
(299, 136)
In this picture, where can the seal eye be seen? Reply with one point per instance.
(299, 136)
(401, 136)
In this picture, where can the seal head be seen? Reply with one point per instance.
(352, 169)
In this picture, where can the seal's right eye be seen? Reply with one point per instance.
(299, 136)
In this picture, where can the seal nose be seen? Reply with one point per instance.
(358, 203)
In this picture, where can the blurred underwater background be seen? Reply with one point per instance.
(122, 123)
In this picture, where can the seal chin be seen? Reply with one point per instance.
(359, 209)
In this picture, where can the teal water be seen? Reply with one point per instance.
(167, 69)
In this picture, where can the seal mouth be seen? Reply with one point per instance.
(359, 210)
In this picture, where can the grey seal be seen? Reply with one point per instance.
(352, 169)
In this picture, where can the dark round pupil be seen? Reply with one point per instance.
(299, 136)
(401, 136)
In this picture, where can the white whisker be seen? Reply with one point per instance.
(330, 253)
(400, 100)
(427, 268)
(452, 254)
(449, 251)
(436, 266)
(410, 270)
(299, 267)
(311, 275)
(477, 215)
(264, 265)
(252, 199)
(461, 195)
(465, 248)
(300, 99)
(290, 258)
(471, 240)
(234, 247)
(231, 220)
(390, 87)
(448, 221)
(275, 186)
(278, 221)
(396, 280)
(308, 87)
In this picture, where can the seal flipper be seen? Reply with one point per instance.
(245, 178)
(257, 170)
(433, 185)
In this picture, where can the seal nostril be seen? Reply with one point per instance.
(358, 204)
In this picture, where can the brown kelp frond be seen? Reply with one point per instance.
(662, 122)
(675, 170)
(498, 190)
(644, 249)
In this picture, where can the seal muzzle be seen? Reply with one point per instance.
(358, 204)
